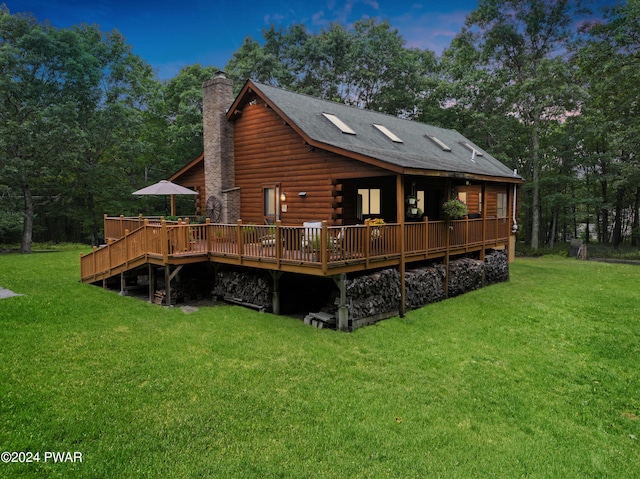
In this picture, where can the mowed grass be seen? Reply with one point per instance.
(537, 377)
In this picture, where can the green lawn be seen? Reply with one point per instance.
(537, 377)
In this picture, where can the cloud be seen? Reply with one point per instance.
(345, 12)
(429, 30)
(270, 18)
(318, 19)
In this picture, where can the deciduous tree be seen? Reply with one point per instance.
(70, 110)
(366, 66)
(609, 64)
(513, 54)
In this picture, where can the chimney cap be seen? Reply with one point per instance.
(220, 74)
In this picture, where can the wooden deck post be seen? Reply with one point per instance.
(147, 243)
(240, 240)
(511, 252)
(275, 297)
(484, 222)
(466, 233)
(208, 237)
(167, 284)
(484, 219)
(109, 257)
(446, 259)
(126, 248)
(168, 276)
(343, 311)
(403, 266)
(426, 234)
(278, 245)
(152, 283)
(93, 260)
(164, 241)
(324, 246)
(367, 243)
(123, 284)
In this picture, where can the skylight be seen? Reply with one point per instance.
(439, 143)
(392, 136)
(473, 150)
(344, 128)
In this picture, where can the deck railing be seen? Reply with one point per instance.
(322, 248)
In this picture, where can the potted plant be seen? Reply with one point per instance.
(249, 233)
(376, 227)
(454, 209)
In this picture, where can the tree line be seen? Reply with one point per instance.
(548, 87)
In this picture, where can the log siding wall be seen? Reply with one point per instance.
(491, 193)
(194, 179)
(269, 152)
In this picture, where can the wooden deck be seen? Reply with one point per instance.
(322, 251)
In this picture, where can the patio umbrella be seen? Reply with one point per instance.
(165, 187)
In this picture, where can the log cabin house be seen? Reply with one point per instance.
(289, 184)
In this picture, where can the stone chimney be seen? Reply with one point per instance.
(219, 170)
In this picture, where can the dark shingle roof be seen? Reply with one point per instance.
(416, 151)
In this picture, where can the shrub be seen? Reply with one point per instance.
(455, 208)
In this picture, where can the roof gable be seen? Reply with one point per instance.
(410, 146)
(197, 162)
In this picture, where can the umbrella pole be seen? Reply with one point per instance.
(173, 205)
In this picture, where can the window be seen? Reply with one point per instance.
(344, 128)
(474, 151)
(269, 201)
(392, 136)
(420, 195)
(462, 196)
(368, 202)
(502, 205)
(438, 142)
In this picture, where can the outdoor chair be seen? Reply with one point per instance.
(311, 234)
(338, 240)
(311, 237)
(268, 239)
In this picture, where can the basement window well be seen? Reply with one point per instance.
(344, 128)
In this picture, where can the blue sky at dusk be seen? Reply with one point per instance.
(170, 34)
